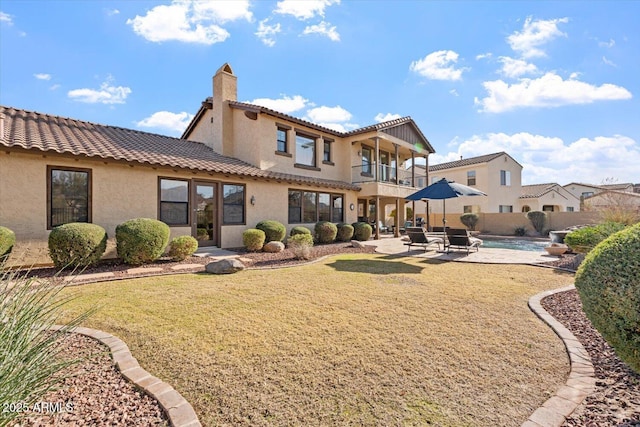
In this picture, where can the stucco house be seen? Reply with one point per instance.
(235, 165)
(551, 197)
(581, 190)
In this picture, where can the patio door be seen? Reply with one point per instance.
(205, 213)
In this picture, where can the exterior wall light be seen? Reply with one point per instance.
(253, 200)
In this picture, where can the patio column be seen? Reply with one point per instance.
(396, 220)
(426, 168)
(377, 217)
(413, 169)
(395, 147)
(376, 173)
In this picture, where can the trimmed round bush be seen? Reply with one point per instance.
(470, 220)
(182, 247)
(253, 239)
(345, 232)
(325, 232)
(361, 231)
(585, 239)
(538, 220)
(608, 281)
(273, 230)
(7, 240)
(300, 245)
(299, 230)
(141, 240)
(77, 244)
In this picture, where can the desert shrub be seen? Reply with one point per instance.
(608, 282)
(345, 232)
(361, 231)
(538, 220)
(182, 247)
(77, 244)
(520, 231)
(470, 220)
(300, 245)
(585, 239)
(325, 232)
(30, 365)
(141, 240)
(253, 239)
(7, 240)
(273, 230)
(299, 230)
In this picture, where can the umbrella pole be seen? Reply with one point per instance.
(444, 225)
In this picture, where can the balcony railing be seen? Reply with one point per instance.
(386, 173)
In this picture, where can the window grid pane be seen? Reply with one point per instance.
(305, 150)
(282, 140)
(69, 197)
(233, 204)
(174, 201)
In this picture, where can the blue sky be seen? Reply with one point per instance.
(555, 84)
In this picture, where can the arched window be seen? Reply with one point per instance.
(526, 208)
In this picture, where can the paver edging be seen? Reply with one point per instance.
(581, 380)
(179, 412)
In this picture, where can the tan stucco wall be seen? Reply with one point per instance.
(121, 192)
(202, 132)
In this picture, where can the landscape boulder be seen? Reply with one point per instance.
(225, 266)
(357, 244)
(273, 247)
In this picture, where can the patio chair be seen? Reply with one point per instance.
(418, 237)
(461, 239)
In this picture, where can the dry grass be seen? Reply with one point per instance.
(354, 340)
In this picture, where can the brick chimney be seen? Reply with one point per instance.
(225, 89)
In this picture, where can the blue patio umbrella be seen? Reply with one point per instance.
(442, 190)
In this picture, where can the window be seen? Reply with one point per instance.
(506, 208)
(569, 208)
(587, 194)
(282, 140)
(505, 178)
(471, 177)
(69, 196)
(367, 163)
(526, 208)
(326, 152)
(310, 207)
(421, 181)
(233, 204)
(547, 208)
(174, 201)
(305, 150)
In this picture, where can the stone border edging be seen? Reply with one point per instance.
(581, 381)
(179, 412)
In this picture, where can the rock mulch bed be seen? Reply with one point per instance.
(616, 400)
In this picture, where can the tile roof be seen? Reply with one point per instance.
(536, 190)
(469, 161)
(35, 131)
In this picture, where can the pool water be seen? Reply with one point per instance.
(517, 244)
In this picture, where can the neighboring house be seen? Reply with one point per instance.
(497, 174)
(586, 190)
(550, 197)
(613, 200)
(237, 164)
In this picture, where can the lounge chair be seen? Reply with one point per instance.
(418, 237)
(461, 239)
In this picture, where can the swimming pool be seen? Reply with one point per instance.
(517, 244)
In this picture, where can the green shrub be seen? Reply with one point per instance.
(585, 239)
(608, 282)
(361, 231)
(253, 239)
(538, 220)
(182, 247)
(299, 230)
(273, 230)
(300, 245)
(345, 232)
(141, 240)
(77, 244)
(7, 240)
(520, 231)
(470, 220)
(30, 365)
(325, 232)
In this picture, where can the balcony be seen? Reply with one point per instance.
(384, 184)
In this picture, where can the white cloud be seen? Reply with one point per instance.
(534, 35)
(328, 114)
(54, 87)
(386, 117)
(549, 90)
(304, 10)
(286, 104)
(166, 120)
(438, 66)
(608, 62)
(6, 18)
(42, 76)
(483, 56)
(454, 92)
(516, 67)
(190, 21)
(107, 94)
(608, 44)
(323, 29)
(550, 159)
(112, 12)
(266, 33)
